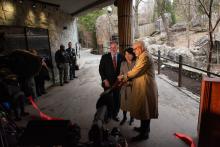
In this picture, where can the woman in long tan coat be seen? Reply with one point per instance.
(125, 92)
(144, 95)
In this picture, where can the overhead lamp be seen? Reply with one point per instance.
(20, 1)
(34, 5)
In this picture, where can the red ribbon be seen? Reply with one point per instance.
(188, 140)
(42, 115)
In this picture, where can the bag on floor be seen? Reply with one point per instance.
(76, 67)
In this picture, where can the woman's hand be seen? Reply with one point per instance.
(120, 78)
(106, 83)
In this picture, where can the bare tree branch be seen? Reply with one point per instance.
(134, 8)
(204, 8)
(138, 2)
(210, 7)
(217, 22)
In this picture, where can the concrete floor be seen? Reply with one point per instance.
(76, 101)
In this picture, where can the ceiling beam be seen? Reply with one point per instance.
(46, 3)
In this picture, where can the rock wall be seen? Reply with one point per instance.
(13, 13)
(194, 56)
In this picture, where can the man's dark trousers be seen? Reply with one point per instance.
(145, 126)
(72, 71)
(116, 102)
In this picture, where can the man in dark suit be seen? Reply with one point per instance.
(109, 69)
(72, 62)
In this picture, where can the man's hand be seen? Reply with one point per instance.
(120, 78)
(106, 83)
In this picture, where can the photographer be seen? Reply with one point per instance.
(21, 64)
(11, 93)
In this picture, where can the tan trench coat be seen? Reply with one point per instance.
(144, 96)
(125, 92)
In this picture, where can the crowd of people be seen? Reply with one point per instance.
(139, 94)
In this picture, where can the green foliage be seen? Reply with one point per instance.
(166, 6)
(170, 9)
(89, 20)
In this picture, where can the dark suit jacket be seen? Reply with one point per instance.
(106, 68)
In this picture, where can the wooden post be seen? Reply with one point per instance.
(158, 62)
(125, 24)
(180, 71)
(26, 38)
(208, 122)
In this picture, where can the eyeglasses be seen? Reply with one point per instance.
(134, 49)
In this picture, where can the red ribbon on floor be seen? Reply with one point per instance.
(42, 115)
(188, 140)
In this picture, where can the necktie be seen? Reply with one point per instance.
(114, 62)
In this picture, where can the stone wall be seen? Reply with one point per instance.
(194, 56)
(13, 13)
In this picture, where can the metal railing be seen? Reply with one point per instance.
(181, 64)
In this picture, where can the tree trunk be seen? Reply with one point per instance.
(166, 27)
(188, 35)
(211, 30)
(211, 45)
(161, 7)
(188, 24)
(136, 23)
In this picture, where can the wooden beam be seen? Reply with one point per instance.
(125, 24)
(46, 3)
(41, 2)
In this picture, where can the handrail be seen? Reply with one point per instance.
(180, 66)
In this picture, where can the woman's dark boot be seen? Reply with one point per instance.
(131, 121)
(124, 118)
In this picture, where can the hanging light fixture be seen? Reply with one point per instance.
(34, 5)
(20, 1)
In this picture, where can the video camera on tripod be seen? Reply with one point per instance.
(62, 132)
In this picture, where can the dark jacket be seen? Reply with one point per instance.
(72, 55)
(10, 90)
(106, 68)
(61, 56)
